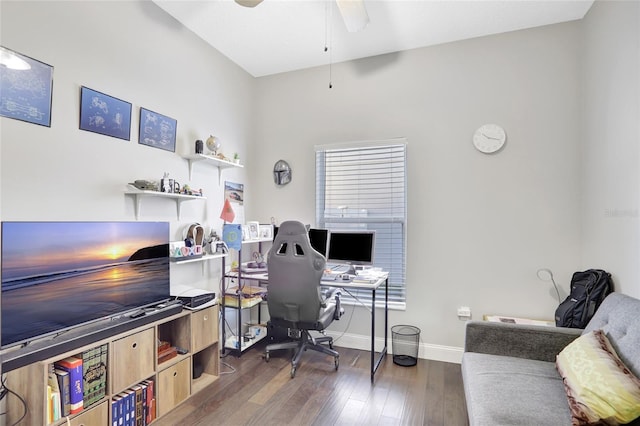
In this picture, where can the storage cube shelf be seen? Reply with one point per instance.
(129, 362)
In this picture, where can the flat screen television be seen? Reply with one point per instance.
(351, 247)
(59, 275)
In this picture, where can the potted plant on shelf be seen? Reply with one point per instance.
(236, 158)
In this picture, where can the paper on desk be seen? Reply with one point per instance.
(368, 276)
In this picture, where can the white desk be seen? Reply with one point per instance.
(351, 285)
(373, 287)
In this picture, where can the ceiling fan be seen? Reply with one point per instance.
(353, 12)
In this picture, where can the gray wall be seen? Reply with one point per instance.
(611, 142)
(479, 226)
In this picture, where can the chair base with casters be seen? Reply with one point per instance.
(306, 341)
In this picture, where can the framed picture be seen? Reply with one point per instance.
(157, 130)
(104, 114)
(266, 232)
(245, 233)
(254, 230)
(26, 86)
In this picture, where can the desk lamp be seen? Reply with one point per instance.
(545, 274)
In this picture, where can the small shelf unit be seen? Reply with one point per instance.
(236, 341)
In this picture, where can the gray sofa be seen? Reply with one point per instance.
(509, 371)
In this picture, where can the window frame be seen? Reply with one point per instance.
(397, 216)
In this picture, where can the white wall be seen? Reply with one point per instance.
(134, 51)
(479, 225)
(611, 141)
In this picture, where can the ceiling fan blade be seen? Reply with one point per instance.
(249, 3)
(354, 14)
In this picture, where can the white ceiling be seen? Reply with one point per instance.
(285, 35)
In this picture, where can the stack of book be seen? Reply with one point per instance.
(76, 382)
(166, 352)
(65, 388)
(94, 374)
(135, 406)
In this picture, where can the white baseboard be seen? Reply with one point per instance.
(425, 351)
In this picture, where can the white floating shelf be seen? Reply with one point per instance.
(201, 258)
(215, 161)
(138, 194)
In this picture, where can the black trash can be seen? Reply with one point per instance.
(405, 340)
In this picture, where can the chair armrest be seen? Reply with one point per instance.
(335, 293)
(537, 342)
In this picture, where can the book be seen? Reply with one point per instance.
(144, 402)
(49, 405)
(73, 365)
(131, 397)
(121, 409)
(127, 409)
(114, 411)
(55, 405)
(63, 385)
(138, 391)
(53, 394)
(94, 374)
(151, 406)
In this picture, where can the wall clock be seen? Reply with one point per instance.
(489, 138)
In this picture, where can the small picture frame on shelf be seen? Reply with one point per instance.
(254, 230)
(245, 232)
(266, 231)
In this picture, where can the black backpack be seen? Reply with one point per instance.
(588, 290)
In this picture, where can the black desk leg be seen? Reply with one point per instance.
(373, 333)
(375, 364)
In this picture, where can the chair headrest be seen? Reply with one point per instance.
(291, 227)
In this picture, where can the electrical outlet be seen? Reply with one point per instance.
(464, 313)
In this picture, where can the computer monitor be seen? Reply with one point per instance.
(319, 239)
(351, 247)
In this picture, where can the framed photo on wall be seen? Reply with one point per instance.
(104, 114)
(26, 86)
(157, 130)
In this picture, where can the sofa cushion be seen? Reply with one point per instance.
(598, 385)
(503, 390)
(618, 318)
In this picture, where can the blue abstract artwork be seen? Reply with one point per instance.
(104, 114)
(26, 86)
(157, 130)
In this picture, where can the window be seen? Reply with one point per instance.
(363, 186)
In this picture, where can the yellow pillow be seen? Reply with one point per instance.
(600, 388)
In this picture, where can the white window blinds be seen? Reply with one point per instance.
(363, 186)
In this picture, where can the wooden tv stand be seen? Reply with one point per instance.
(131, 360)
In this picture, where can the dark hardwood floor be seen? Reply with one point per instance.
(262, 393)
